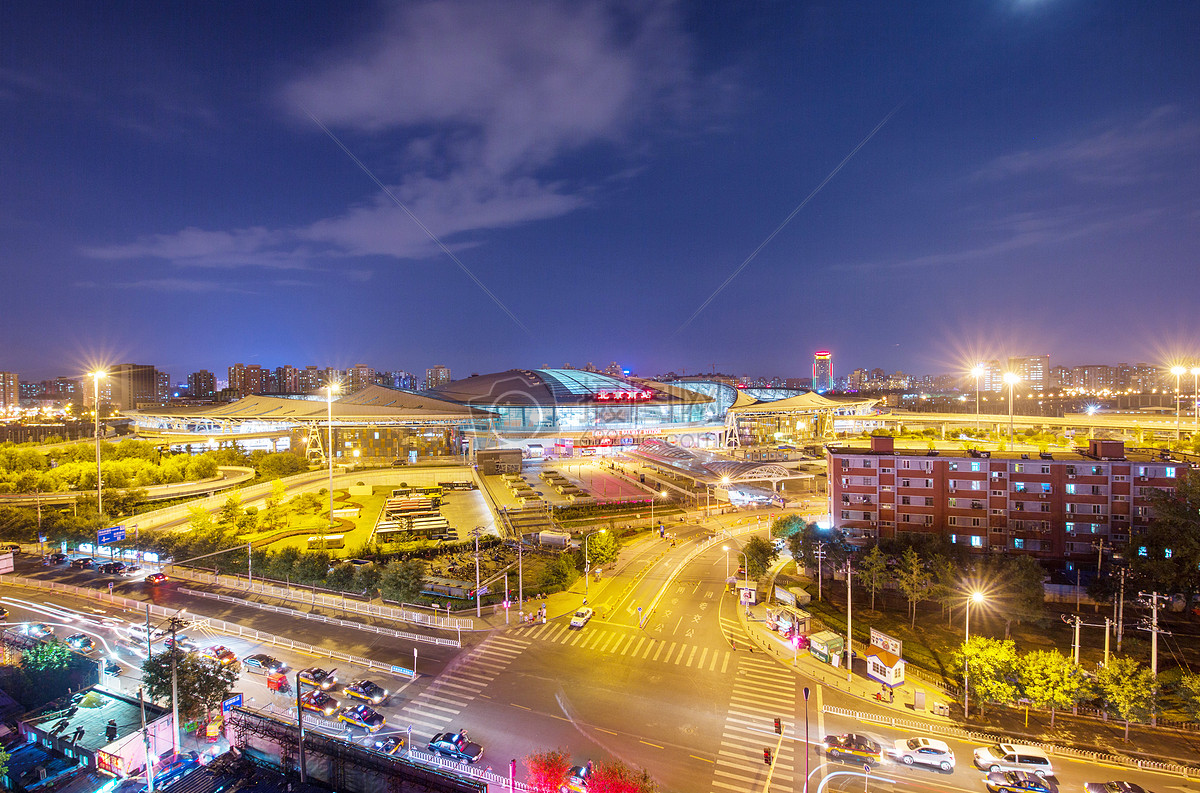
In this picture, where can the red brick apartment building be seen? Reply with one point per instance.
(1054, 506)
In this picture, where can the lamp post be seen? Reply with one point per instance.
(1195, 397)
(1011, 379)
(977, 372)
(1179, 372)
(976, 597)
(587, 565)
(96, 376)
(725, 548)
(806, 746)
(330, 389)
(653, 498)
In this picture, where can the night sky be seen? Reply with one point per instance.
(174, 188)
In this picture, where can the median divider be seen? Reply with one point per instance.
(230, 628)
(442, 641)
(990, 738)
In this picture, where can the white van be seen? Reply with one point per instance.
(1013, 757)
(137, 633)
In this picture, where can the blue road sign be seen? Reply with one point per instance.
(233, 702)
(400, 670)
(111, 534)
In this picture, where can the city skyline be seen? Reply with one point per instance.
(732, 184)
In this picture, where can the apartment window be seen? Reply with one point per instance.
(997, 492)
(904, 463)
(1045, 469)
(1120, 498)
(845, 514)
(905, 501)
(997, 474)
(928, 501)
(929, 520)
(905, 518)
(1097, 509)
(953, 521)
(845, 498)
(976, 484)
(1045, 488)
(1070, 527)
(976, 541)
(1071, 509)
(1070, 470)
(953, 484)
(1070, 489)
(1097, 470)
(885, 470)
(1141, 512)
(1120, 478)
(845, 463)
(976, 523)
(905, 483)
(953, 503)
(976, 466)
(1018, 468)
(1142, 470)
(1167, 553)
(953, 538)
(928, 483)
(997, 512)
(953, 466)
(1018, 542)
(1019, 487)
(1169, 472)
(866, 463)
(1097, 490)
(1141, 550)
(1045, 507)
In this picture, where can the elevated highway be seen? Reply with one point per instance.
(1160, 425)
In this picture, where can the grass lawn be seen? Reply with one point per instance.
(357, 530)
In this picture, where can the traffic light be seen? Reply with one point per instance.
(767, 756)
(778, 727)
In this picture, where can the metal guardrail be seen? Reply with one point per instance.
(990, 738)
(230, 628)
(415, 637)
(329, 601)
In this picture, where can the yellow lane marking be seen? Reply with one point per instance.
(610, 732)
(705, 759)
(656, 746)
(522, 707)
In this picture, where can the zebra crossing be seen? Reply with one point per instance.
(435, 707)
(634, 646)
(761, 693)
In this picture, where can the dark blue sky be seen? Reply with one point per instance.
(601, 168)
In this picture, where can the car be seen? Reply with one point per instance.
(923, 751)
(366, 691)
(581, 617)
(390, 745)
(111, 568)
(131, 569)
(55, 558)
(456, 745)
(363, 716)
(1113, 787)
(853, 746)
(83, 562)
(38, 630)
(1018, 782)
(318, 678)
(81, 642)
(111, 667)
(132, 647)
(577, 779)
(319, 702)
(219, 653)
(156, 578)
(1013, 757)
(263, 664)
(3, 613)
(172, 767)
(185, 644)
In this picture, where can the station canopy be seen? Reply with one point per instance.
(708, 468)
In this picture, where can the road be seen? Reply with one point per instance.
(675, 688)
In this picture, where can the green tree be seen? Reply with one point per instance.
(311, 567)
(559, 572)
(991, 664)
(366, 578)
(1189, 691)
(231, 510)
(341, 577)
(202, 684)
(274, 466)
(273, 515)
(4, 757)
(873, 571)
(946, 584)
(1171, 562)
(46, 657)
(913, 581)
(403, 581)
(1127, 688)
(601, 549)
(1051, 680)
(759, 555)
(548, 770)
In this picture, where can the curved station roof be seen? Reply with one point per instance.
(709, 468)
(561, 387)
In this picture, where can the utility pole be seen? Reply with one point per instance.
(1099, 555)
(820, 556)
(300, 725)
(175, 624)
(249, 564)
(1107, 634)
(478, 602)
(520, 572)
(849, 633)
(146, 738)
(1154, 631)
(1121, 612)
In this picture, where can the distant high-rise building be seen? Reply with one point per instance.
(436, 376)
(310, 380)
(397, 379)
(133, 383)
(163, 386)
(360, 377)
(246, 380)
(797, 382)
(858, 379)
(1060, 377)
(202, 384)
(992, 378)
(287, 380)
(1144, 377)
(823, 370)
(10, 390)
(1094, 377)
(1034, 370)
(614, 369)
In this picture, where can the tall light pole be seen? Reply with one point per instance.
(587, 565)
(478, 603)
(1195, 397)
(976, 597)
(806, 747)
(331, 388)
(977, 373)
(653, 498)
(725, 548)
(1179, 372)
(96, 376)
(1011, 379)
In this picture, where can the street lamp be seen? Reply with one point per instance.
(806, 771)
(977, 372)
(976, 597)
(96, 376)
(1196, 396)
(587, 565)
(1011, 379)
(653, 498)
(331, 388)
(1179, 372)
(725, 548)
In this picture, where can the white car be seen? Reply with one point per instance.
(581, 617)
(923, 751)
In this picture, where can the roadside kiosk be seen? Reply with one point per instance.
(826, 647)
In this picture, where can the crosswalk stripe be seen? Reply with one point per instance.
(607, 642)
(447, 700)
(703, 658)
(712, 667)
(780, 775)
(426, 705)
(719, 783)
(670, 650)
(641, 641)
(693, 655)
(578, 636)
(725, 663)
(657, 647)
(682, 650)
(762, 698)
(467, 689)
(434, 727)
